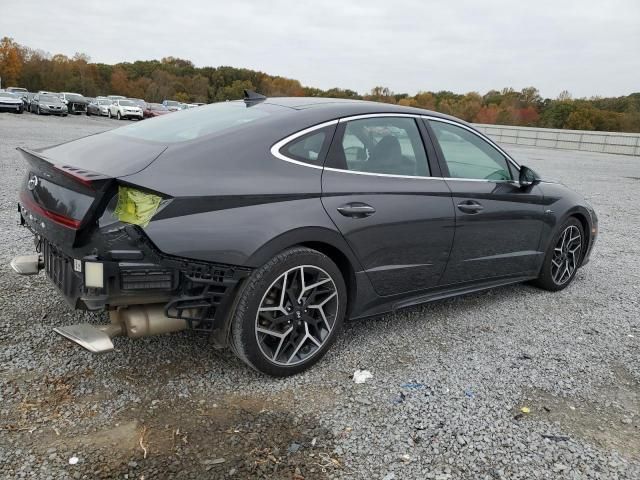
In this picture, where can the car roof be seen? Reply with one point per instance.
(344, 106)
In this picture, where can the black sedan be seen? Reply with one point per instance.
(266, 223)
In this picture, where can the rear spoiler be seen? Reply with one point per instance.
(48, 166)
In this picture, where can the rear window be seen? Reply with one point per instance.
(198, 122)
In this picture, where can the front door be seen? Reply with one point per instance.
(498, 223)
(378, 190)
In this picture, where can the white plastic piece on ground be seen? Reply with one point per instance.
(361, 376)
(73, 460)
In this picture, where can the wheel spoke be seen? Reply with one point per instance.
(292, 330)
(566, 255)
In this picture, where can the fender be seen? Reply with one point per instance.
(300, 236)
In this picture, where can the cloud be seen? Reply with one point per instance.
(587, 47)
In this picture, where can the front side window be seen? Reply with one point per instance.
(383, 145)
(469, 156)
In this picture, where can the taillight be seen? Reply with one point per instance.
(56, 217)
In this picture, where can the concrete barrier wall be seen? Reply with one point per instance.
(605, 142)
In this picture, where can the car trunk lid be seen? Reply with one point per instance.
(67, 186)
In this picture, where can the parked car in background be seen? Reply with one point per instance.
(124, 108)
(48, 104)
(75, 102)
(10, 102)
(100, 106)
(26, 100)
(116, 97)
(18, 90)
(155, 110)
(139, 102)
(172, 105)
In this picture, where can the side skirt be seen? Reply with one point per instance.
(422, 298)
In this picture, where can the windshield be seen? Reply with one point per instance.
(73, 96)
(104, 102)
(127, 103)
(172, 103)
(157, 106)
(8, 94)
(198, 122)
(49, 98)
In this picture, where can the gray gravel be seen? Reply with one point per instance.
(449, 379)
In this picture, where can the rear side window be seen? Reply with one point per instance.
(309, 148)
(469, 156)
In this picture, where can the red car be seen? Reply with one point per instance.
(155, 110)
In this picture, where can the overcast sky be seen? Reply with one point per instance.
(589, 47)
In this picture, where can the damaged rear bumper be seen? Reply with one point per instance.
(122, 268)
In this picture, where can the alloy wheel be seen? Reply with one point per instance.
(566, 255)
(296, 315)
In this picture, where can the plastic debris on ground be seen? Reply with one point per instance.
(361, 376)
(413, 386)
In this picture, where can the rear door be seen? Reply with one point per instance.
(381, 187)
(498, 223)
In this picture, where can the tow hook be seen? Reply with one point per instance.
(27, 264)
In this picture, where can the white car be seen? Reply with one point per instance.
(122, 109)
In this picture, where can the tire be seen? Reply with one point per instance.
(303, 336)
(109, 113)
(39, 112)
(118, 116)
(561, 264)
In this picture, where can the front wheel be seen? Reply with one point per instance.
(289, 312)
(563, 257)
(118, 116)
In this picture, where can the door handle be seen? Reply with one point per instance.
(356, 210)
(469, 206)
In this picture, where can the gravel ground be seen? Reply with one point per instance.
(449, 379)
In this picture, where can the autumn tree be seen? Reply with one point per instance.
(180, 79)
(10, 62)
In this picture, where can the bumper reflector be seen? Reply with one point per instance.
(93, 275)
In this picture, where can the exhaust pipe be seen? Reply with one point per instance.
(135, 321)
(27, 264)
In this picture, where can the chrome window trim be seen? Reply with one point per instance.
(375, 115)
(373, 174)
(275, 149)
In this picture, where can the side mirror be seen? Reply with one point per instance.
(528, 177)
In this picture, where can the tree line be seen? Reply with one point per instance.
(179, 79)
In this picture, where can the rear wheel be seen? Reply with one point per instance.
(563, 257)
(289, 312)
